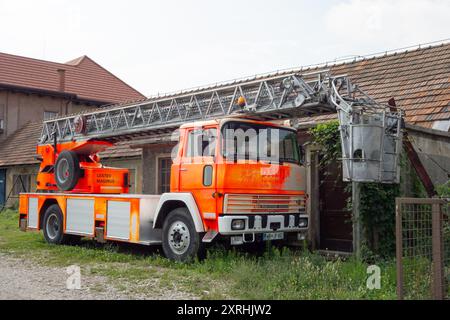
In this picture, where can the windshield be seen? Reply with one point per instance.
(250, 141)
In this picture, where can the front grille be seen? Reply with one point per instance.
(270, 204)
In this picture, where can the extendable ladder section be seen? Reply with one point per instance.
(275, 97)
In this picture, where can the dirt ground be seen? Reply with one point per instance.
(21, 279)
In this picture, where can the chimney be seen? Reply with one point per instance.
(62, 80)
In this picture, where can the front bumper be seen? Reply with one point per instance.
(264, 223)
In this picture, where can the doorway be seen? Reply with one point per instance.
(2, 187)
(335, 218)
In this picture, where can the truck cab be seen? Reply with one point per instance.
(244, 176)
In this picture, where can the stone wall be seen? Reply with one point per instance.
(29, 172)
(16, 109)
(433, 147)
(134, 165)
(150, 157)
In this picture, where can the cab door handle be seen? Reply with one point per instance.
(183, 169)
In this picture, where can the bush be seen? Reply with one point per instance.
(443, 190)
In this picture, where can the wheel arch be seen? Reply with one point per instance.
(47, 203)
(171, 201)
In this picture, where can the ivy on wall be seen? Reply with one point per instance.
(327, 136)
(377, 212)
(377, 201)
(411, 186)
(444, 190)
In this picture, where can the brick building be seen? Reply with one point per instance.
(32, 90)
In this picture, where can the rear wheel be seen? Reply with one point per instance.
(180, 240)
(53, 227)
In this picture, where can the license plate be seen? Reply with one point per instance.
(273, 236)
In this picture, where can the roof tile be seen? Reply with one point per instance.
(83, 77)
(20, 148)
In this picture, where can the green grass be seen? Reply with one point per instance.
(225, 274)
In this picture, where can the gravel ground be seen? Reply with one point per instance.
(21, 279)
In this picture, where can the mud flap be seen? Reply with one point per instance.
(209, 236)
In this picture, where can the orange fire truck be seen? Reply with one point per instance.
(215, 191)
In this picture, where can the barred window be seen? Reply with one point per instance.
(132, 180)
(164, 166)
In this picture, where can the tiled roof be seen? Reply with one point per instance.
(120, 150)
(83, 78)
(20, 147)
(419, 80)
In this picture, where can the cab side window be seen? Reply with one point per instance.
(201, 143)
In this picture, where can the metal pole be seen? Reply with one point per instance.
(399, 247)
(356, 219)
(438, 261)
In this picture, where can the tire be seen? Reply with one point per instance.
(180, 241)
(53, 226)
(67, 170)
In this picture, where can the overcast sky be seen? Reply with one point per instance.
(161, 46)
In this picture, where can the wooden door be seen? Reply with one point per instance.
(335, 218)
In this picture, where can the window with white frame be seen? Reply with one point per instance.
(132, 180)
(50, 115)
(164, 166)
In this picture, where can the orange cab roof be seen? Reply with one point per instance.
(241, 118)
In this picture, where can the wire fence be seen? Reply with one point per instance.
(423, 248)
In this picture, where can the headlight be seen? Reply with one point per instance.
(238, 224)
(303, 222)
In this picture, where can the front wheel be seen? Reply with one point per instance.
(180, 241)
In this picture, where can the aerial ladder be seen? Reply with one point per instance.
(370, 131)
(244, 201)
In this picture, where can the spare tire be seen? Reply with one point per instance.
(67, 170)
